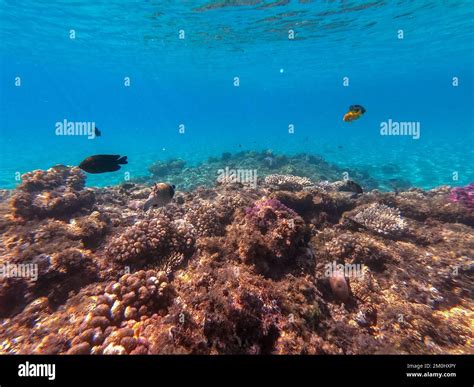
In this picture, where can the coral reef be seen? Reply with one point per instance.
(380, 219)
(153, 239)
(302, 263)
(111, 325)
(288, 182)
(463, 195)
(57, 192)
(162, 168)
(205, 218)
(301, 166)
(269, 235)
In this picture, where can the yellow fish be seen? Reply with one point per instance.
(354, 113)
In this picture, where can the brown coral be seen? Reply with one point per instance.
(269, 235)
(111, 325)
(152, 239)
(206, 219)
(57, 192)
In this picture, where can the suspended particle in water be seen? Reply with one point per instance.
(72, 34)
(400, 34)
(291, 129)
(17, 81)
(126, 81)
(455, 81)
(282, 71)
(345, 81)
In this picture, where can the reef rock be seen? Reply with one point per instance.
(269, 235)
(57, 192)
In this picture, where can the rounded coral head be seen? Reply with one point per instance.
(339, 286)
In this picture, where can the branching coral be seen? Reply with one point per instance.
(205, 218)
(380, 219)
(57, 192)
(288, 182)
(152, 239)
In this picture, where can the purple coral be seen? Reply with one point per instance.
(463, 195)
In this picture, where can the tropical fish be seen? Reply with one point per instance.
(103, 163)
(161, 194)
(354, 113)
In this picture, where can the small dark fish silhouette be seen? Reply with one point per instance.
(161, 194)
(103, 163)
(97, 131)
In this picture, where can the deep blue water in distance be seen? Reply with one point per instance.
(283, 81)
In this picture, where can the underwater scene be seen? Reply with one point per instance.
(237, 177)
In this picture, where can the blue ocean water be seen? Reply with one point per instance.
(236, 74)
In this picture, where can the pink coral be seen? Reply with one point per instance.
(463, 195)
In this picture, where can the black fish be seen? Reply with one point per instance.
(103, 163)
(97, 131)
(357, 108)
